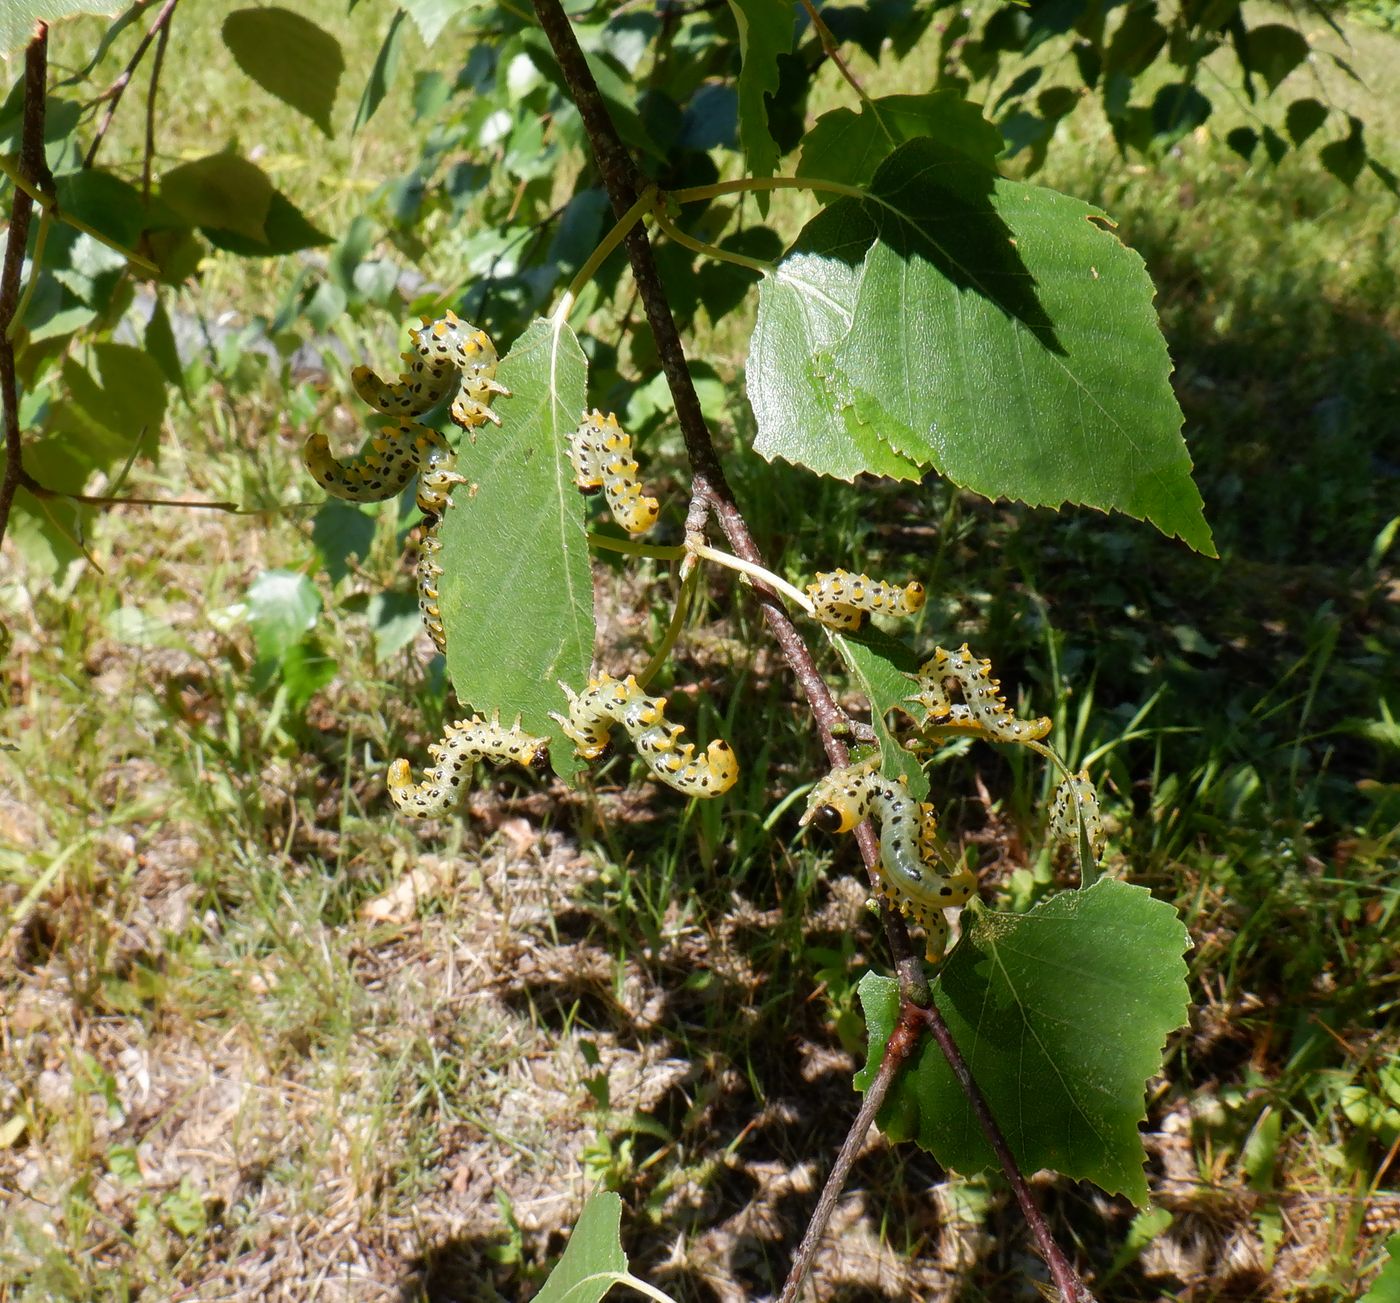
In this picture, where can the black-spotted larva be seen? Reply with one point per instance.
(428, 572)
(1077, 791)
(601, 453)
(445, 353)
(842, 598)
(911, 875)
(607, 701)
(463, 743)
(382, 468)
(982, 708)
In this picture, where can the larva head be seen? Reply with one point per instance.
(724, 766)
(832, 818)
(915, 594)
(399, 777)
(539, 758)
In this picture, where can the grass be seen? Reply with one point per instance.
(261, 1039)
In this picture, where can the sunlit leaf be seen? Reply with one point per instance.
(290, 57)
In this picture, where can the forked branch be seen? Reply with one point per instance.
(710, 491)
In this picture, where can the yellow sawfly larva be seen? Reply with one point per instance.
(1077, 791)
(607, 701)
(982, 708)
(428, 572)
(601, 454)
(842, 598)
(463, 743)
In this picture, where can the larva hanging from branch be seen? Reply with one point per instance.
(445, 353)
(607, 701)
(982, 709)
(463, 743)
(601, 453)
(842, 598)
(1077, 793)
(911, 874)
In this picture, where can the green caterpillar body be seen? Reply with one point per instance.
(911, 874)
(1077, 792)
(607, 701)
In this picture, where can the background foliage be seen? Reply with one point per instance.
(200, 865)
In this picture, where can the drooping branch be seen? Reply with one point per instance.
(35, 170)
(113, 94)
(710, 489)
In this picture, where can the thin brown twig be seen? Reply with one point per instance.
(33, 167)
(709, 486)
(113, 94)
(151, 92)
(1067, 1281)
(109, 500)
(901, 1044)
(828, 40)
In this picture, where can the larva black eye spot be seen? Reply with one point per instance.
(828, 818)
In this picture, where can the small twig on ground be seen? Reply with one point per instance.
(113, 94)
(33, 167)
(709, 486)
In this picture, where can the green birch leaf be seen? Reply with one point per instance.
(593, 1260)
(804, 308)
(290, 57)
(17, 17)
(845, 145)
(1386, 1287)
(1001, 335)
(1062, 1014)
(765, 33)
(1274, 50)
(880, 663)
(517, 588)
(222, 191)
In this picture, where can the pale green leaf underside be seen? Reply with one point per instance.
(996, 334)
(17, 17)
(517, 589)
(879, 664)
(593, 1259)
(1062, 1014)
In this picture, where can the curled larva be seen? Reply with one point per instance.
(601, 453)
(428, 572)
(842, 598)
(446, 354)
(607, 701)
(1077, 792)
(911, 874)
(463, 743)
(382, 468)
(982, 708)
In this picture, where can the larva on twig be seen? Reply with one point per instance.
(463, 743)
(911, 874)
(842, 598)
(601, 453)
(982, 708)
(607, 701)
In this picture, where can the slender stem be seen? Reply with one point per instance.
(901, 1044)
(673, 630)
(15, 174)
(824, 35)
(31, 164)
(156, 65)
(1072, 1289)
(630, 547)
(621, 229)
(711, 250)
(755, 571)
(36, 260)
(749, 184)
(117, 89)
